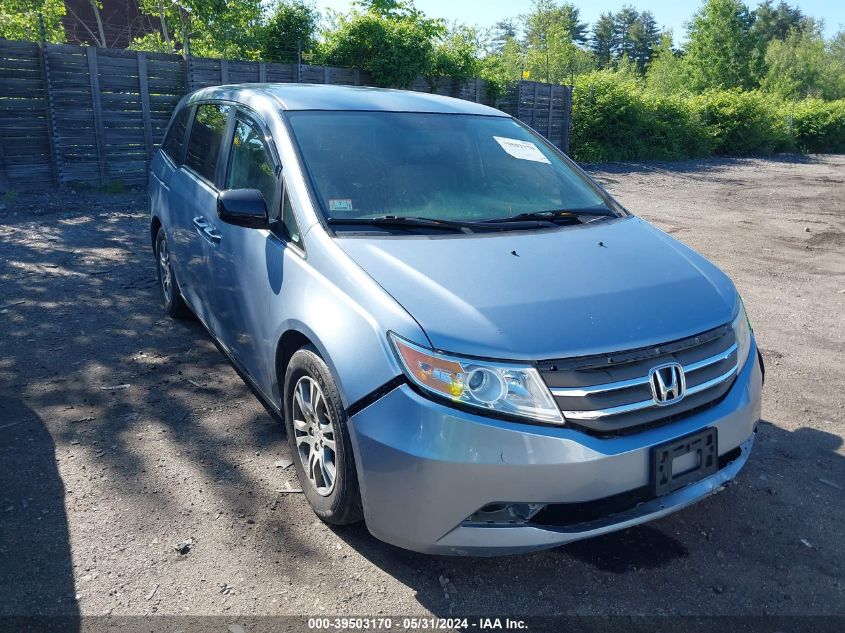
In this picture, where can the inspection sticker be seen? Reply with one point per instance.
(340, 204)
(523, 150)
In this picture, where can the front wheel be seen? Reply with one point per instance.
(171, 296)
(318, 438)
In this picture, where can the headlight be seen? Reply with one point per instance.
(742, 330)
(515, 390)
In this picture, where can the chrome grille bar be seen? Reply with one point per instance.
(565, 392)
(712, 383)
(706, 362)
(599, 414)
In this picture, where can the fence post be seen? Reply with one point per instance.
(224, 71)
(357, 76)
(189, 82)
(567, 119)
(262, 72)
(94, 82)
(299, 61)
(52, 129)
(326, 76)
(534, 103)
(551, 109)
(144, 87)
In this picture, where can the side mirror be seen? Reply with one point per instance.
(243, 207)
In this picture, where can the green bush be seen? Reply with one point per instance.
(743, 123)
(819, 126)
(672, 128)
(614, 119)
(392, 40)
(394, 51)
(604, 119)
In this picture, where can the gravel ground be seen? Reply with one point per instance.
(138, 472)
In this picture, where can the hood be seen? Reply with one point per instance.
(596, 288)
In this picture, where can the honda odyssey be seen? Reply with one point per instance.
(474, 348)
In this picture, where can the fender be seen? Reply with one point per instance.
(347, 323)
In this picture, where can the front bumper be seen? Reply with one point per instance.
(424, 468)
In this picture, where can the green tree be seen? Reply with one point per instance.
(603, 40)
(802, 65)
(547, 19)
(623, 23)
(292, 25)
(505, 66)
(628, 34)
(667, 73)
(19, 20)
(551, 33)
(776, 22)
(644, 35)
(720, 46)
(218, 28)
(392, 40)
(837, 46)
(502, 31)
(456, 53)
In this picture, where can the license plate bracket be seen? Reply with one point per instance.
(683, 461)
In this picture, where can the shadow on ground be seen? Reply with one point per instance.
(36, 572)
(81, 317)
(689, 561)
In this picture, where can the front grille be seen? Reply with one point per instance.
(610, 393)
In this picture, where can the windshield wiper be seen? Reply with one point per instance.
(553, 215)
(407, 222)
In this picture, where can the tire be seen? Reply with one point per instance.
(311, 435)
(171, 296)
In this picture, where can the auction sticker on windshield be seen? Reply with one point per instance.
(340, 204)
(523, 150)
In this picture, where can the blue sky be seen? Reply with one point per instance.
(671, 14)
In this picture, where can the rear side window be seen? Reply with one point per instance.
(206, 135)
(172, 144)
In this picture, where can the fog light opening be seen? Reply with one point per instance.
(504, 513)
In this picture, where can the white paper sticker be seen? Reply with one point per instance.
(523, 150)
(340, 204)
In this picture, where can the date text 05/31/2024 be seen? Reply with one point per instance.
(417, 623)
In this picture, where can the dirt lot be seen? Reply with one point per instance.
(123, 434)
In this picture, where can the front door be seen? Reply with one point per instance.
(194, 193)
(246, 263)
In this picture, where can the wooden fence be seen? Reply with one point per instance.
(73, 115)
(545, 107)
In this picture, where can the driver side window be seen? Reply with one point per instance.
(250, 163)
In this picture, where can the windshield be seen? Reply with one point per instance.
(443, 166)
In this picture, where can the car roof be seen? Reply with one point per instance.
(328, 97)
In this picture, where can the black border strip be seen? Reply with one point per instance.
(377, 394)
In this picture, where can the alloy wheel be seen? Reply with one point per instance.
(164, 271)
(314, 432)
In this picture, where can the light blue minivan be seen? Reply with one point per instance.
(475, 349)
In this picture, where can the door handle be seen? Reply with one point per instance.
(206, 230)
(212, 234)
